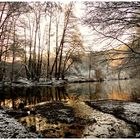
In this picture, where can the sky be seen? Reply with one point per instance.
(92, 40)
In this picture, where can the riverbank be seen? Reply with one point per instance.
(77, 119)
(67, 111)
(105, 125)
(23, 82)
(10, 128)
(53, 82)
(125, 110)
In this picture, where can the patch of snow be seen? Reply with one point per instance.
(105, 126)
(10, 128)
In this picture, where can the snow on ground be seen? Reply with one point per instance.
(10, 128)
(105, 126)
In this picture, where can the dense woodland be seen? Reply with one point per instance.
(43, 40)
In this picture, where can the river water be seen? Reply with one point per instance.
(68, 95)
(117, 90)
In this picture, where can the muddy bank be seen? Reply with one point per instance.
(128, 111)
(10, 128)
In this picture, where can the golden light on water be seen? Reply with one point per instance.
(118, 96)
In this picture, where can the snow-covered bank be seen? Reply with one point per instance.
(10, 128)
(27, 83)
(67, 119)
(105, 125)
(128, 111)
(75, 119)
(23, 82)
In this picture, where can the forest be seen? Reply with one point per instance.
(45, 40)
(70, 69)
(41, 39)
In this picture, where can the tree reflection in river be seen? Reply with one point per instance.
(118, 90)
(68, 119)
(11, 97)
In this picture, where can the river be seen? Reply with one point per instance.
(61, 117)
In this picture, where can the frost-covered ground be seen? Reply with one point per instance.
(105, 125)
(128, 111)
(10, 128)
(72, 119)
(53, 82)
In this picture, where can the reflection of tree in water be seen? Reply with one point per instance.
(120, 91)
(8, 97)
(32, 95)
(14, 96)
(2, 97)
(135, 96)
(97, 89)
(40, 94)
(60, 93)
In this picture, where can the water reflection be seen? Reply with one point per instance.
(43, 121)
(52, 130)
(118, 90)
(12, 97)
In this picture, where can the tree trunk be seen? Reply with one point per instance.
(48, 53)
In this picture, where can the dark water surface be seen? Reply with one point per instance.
(56, 118)
(118, 90)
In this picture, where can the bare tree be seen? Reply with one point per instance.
(8, 10)
(116, 22)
